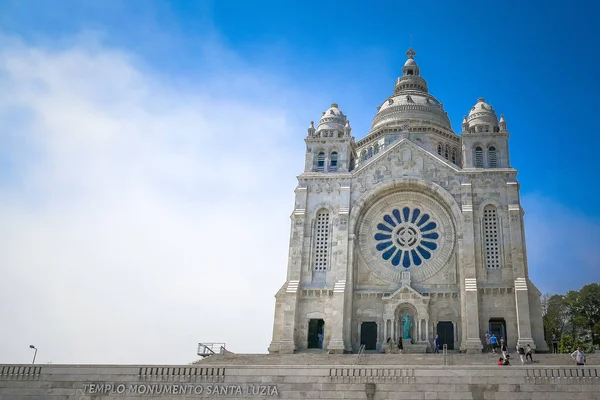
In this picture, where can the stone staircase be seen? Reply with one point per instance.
(487, 359)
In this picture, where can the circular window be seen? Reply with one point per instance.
(406, 237)
(407, 230)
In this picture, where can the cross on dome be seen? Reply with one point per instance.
(411, 53)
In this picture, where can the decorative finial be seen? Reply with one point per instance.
(311, 128)
(502, 123)
(411, 53)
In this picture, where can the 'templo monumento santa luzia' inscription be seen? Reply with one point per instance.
(184, 389)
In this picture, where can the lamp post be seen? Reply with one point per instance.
(34, 354)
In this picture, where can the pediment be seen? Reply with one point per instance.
(405, 158)
(403, 292)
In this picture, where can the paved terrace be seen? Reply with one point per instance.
(310, 358)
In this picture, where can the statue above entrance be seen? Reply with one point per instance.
(406, 326)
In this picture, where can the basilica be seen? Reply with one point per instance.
(412, 231)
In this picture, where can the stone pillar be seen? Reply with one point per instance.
(287, 300)
(385, 324)
(336, 342)
(470, 341)
(427, 330)
(517, 251)
(347, 326)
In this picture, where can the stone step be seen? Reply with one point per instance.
(389, 359)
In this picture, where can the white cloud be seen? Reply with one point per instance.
(139, 215)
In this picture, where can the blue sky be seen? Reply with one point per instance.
(117, 117)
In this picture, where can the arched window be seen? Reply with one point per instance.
(370, 152)
(490, 237)
(446, 151)
(454, 156)
(321, 248)
(333, 162)
(376, 148)
(440, 149)
(321, 162)
(492, 157)
(363, 155)
(478, 157)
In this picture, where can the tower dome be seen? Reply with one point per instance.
(482, 117)
(411, 101)
(332, 119)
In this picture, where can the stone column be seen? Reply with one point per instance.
(385, 335)
(427, 330)
(341, 271)
(470, 342)
(287, 301)
(517, 252)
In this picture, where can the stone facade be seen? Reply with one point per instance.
(413, 221)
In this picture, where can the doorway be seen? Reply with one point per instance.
(445, 332)
(368, 335)
(497, 326)
(316, 332)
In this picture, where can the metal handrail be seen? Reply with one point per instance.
(445, 354)
(209, 349)
(361, 352)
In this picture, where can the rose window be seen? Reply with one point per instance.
(406, 237)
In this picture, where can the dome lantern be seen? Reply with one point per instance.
(332, 120)
(482, 117)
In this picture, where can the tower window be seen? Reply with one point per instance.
(321, 162)
(440, 149)
(363, 155)
(321, 241)
(446, 151)
(478, 157)
(333, 162)
(454, 156)
(492, 157)
(490, 237)
(376, 148)
(370, 152)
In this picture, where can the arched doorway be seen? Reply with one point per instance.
(497, 326)
(445, 332)
(368, 335)
(316, 331)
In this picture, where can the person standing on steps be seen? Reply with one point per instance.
(436, 344)
(487, 341)
(521, 352)
(494, 343)
(554, 344)
(504, 350)
(529, 353)
(578, 356)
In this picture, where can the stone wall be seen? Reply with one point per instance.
(228, 381)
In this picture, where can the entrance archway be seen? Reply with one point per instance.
(445, 332)
(497, 326)
(316, 330)
(368, 335)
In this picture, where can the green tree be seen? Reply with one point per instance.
(584, 311)
(555, 314)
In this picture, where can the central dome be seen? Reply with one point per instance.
(411, 101)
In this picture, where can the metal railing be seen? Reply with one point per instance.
(361, 352)
(209, 349)
(445, 354)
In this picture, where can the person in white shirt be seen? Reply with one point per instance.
(578, 356)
